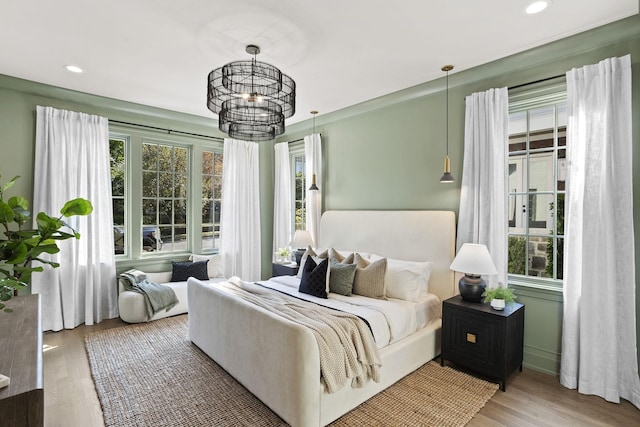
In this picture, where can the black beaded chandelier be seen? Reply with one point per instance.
(251, 98)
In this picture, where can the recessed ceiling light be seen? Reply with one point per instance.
(73, 68)
(537, 6)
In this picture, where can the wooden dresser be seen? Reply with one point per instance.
(22, 402)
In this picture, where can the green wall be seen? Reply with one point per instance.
(386, 153)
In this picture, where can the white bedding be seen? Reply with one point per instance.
(390, 320)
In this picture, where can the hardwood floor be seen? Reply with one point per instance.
(532, 398)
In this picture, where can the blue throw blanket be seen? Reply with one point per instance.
(156, 297)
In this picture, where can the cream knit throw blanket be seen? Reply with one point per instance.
(345, 342)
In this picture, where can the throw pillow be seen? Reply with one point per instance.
(213, 267)
(310, 252)
(341, 278)
(314, 278)
(369, 278)
(181, 271)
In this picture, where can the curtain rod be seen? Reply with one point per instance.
(536, 81)
(298, 140)
(169, 131)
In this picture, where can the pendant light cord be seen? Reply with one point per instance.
(447, 113)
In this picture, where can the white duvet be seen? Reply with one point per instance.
(389, 320)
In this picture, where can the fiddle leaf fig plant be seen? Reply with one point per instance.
(20, 244)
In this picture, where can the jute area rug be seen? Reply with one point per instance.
(150, 375)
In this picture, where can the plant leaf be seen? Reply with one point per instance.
(6, 213)
(77, 206)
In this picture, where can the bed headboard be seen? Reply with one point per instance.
(407, 235)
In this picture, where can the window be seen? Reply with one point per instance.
(211, 198)
(299, 188)
(536, 185)
(156, 184)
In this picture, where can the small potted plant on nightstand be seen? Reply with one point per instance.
(498, 297)
(283, 255)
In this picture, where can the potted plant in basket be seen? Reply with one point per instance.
(498, 297)
(20, 244)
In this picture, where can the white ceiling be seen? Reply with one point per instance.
(339, 52)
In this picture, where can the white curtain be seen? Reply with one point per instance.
(313, 165)
(599, 323)
(282, 197)
(240, 211)
(483, 196)
(71, 161)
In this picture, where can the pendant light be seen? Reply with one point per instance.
(447, 177)
(251, 98)
(313, 186)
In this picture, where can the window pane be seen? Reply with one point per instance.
(165, 160)
(517, 255)
(165, 211)
(208, 241)
(207, 187)
(207, 163)
(542, 120)
(180, 159)
(540, 212)
(118, 212)
(149, 211)
(166, 184)
(218, 164)
(217, 187)
(180, 212)
(149, 184)
(560, 213)
(562, 171)
(149, 157)
(538, 256)
(560, 258)
(207, 212)
(541, 171)
(180, 186)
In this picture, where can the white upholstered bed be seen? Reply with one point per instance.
(278, 360)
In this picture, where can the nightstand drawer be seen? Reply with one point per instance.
(473, 339)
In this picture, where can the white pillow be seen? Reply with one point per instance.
(406, 280)
(213, 266)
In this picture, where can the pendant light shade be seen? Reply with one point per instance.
(447, 177)
(251, 98)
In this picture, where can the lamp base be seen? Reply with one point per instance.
(299, 254)
(471, 288)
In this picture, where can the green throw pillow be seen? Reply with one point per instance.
(341, 277)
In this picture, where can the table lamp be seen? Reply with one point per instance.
(301, 239)
(473, 260)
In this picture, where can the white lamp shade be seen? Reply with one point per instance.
(301, 239)
(473, 258)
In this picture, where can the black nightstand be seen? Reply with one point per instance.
(481, 339)
(284, 269)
